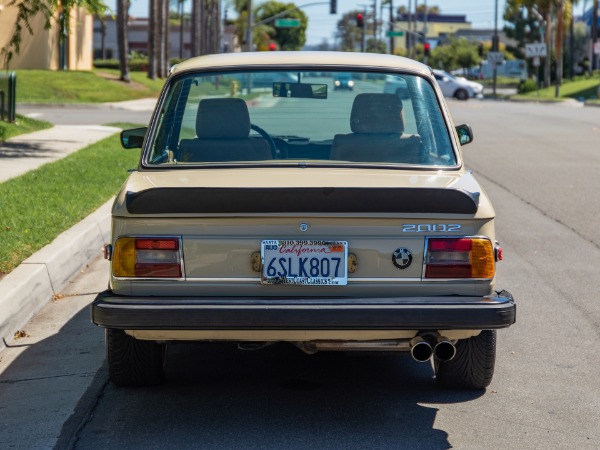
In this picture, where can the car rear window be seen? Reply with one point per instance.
(297, 117)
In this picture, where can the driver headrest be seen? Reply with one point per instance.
(222, 118)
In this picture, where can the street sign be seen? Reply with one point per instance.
(394, 33)
(495, 57)
(287, 23)
(536, 61)
(535, 49)
(597, 48)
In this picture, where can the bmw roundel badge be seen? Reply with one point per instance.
(402, 258)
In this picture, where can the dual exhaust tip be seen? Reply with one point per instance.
(422, 348)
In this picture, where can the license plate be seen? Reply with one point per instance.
(315, 263)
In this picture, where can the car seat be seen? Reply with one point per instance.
(222, 130)
(377, 126)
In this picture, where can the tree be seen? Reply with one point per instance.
(459, 53)
(348, 33)
(196, 23)
(122, 42)
(50, 9)
(547, 9)
(430, 9)
(522, 24)
(376, 46)
(152, 31)
(287, 38)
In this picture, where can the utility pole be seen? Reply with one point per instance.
(425, 23)
(409, 36)
(594, 60)
(495, 45)
(391, 3)
(362, 35)
(558, 45)
(571, 45)
(547, 62)
(249, 25)
(180, 29)
(375, 20)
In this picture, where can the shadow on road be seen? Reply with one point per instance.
(219, 397)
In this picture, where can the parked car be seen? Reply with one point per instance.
(343, 81)
(457, 87)
(303, 216)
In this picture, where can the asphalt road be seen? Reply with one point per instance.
(539, 164)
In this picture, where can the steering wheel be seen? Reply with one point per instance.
(267, 138)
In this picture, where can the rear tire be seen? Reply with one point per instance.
(473, 365)
(133, 362)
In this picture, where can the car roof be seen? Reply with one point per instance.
(345, 60)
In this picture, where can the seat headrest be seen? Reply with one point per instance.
(222, 118)
(377, 113)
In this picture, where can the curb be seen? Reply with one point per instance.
(25, 290)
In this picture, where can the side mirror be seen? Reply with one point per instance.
(133, 138)
(465, 134)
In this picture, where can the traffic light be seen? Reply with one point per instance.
(426, 49)
(272, 46)
(332, 6)
(360, 22)
(480, 49)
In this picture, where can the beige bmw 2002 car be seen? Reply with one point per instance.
(331, 220)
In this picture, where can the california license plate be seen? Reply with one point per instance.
(315, 263)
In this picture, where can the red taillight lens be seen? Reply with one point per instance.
(147, 258)
(459, 258)
(157, 244)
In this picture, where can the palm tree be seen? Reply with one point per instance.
(122, 18)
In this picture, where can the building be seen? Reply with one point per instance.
(105, 38)
(49, 49)
(431, 26)
(476, 36)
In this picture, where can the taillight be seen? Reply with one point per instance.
(147, 258)
(459, 258)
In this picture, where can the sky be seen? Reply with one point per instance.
(321, 24)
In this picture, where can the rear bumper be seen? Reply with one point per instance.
(227, 313)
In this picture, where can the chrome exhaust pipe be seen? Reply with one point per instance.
(444, 349)
(420, 349)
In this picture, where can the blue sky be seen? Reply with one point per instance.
(322, 25)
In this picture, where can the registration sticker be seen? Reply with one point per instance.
(315, 263)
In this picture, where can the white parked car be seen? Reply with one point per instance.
(458, 87)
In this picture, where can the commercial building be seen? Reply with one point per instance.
(430, 26)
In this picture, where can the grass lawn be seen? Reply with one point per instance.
(21, 126)
(39, 205)
(47, 86)
(583, 88)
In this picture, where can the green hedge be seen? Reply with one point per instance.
(136, 65)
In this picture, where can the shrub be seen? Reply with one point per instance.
(525, 86)
(135, 65)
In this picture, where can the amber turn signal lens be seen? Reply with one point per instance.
(123, 263)
(482, 259)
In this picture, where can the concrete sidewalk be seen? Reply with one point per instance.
(29, 151)
(33, 283)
